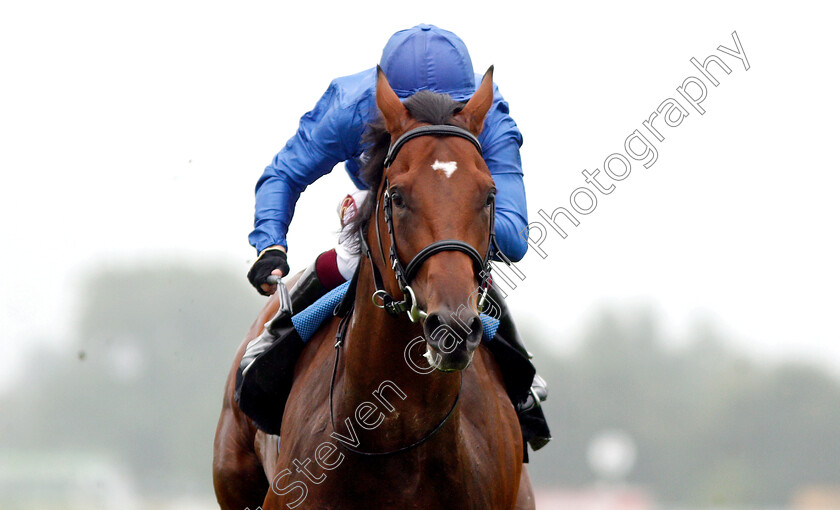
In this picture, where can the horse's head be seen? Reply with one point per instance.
(440, 195)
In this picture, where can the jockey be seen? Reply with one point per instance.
(424, 57)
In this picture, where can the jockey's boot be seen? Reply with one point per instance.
(306, 291)
(531, 417)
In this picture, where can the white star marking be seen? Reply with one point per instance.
(448, 167)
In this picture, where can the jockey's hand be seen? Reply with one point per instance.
(272, 261)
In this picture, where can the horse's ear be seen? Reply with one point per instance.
(395, 114)
(479, 104)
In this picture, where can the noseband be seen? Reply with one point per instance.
(405, 274)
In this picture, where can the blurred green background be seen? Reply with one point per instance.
(128, 405)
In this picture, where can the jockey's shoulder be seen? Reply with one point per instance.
(351, 90)
(354, 96)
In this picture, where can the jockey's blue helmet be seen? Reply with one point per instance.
(426, 57)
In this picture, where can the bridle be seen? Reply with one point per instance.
(405, 273)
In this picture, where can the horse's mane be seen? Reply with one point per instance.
(424, 106)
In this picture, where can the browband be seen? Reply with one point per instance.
(440, 129)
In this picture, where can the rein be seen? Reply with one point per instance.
(405, 274)
(342, 331)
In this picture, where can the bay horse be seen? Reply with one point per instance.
(384, 411)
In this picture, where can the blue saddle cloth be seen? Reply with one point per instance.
(309, 320)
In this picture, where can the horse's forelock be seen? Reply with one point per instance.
(425, 106)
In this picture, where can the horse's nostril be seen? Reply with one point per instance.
(431, 324)
(440, 334)
(476, 325)
(447, 335)
(476, 330)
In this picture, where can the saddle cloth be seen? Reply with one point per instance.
(310, 319)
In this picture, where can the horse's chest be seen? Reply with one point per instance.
(473, 463)
(411, 482)
(372, 490)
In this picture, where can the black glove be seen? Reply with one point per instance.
(265, 264)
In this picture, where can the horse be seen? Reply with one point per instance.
(388, 410)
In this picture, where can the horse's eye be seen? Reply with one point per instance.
(397, 199)
(491, 198)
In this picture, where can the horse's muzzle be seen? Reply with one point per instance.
(452, 338)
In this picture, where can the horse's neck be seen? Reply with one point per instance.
(374, 359)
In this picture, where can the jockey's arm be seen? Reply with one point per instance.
(331, 133)
(501, 140)
(327, 135)
(511, 217)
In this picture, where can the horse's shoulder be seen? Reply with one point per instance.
(317, 349)
(310, 388)
(486, 402)
(487, 368)
(306, 408)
